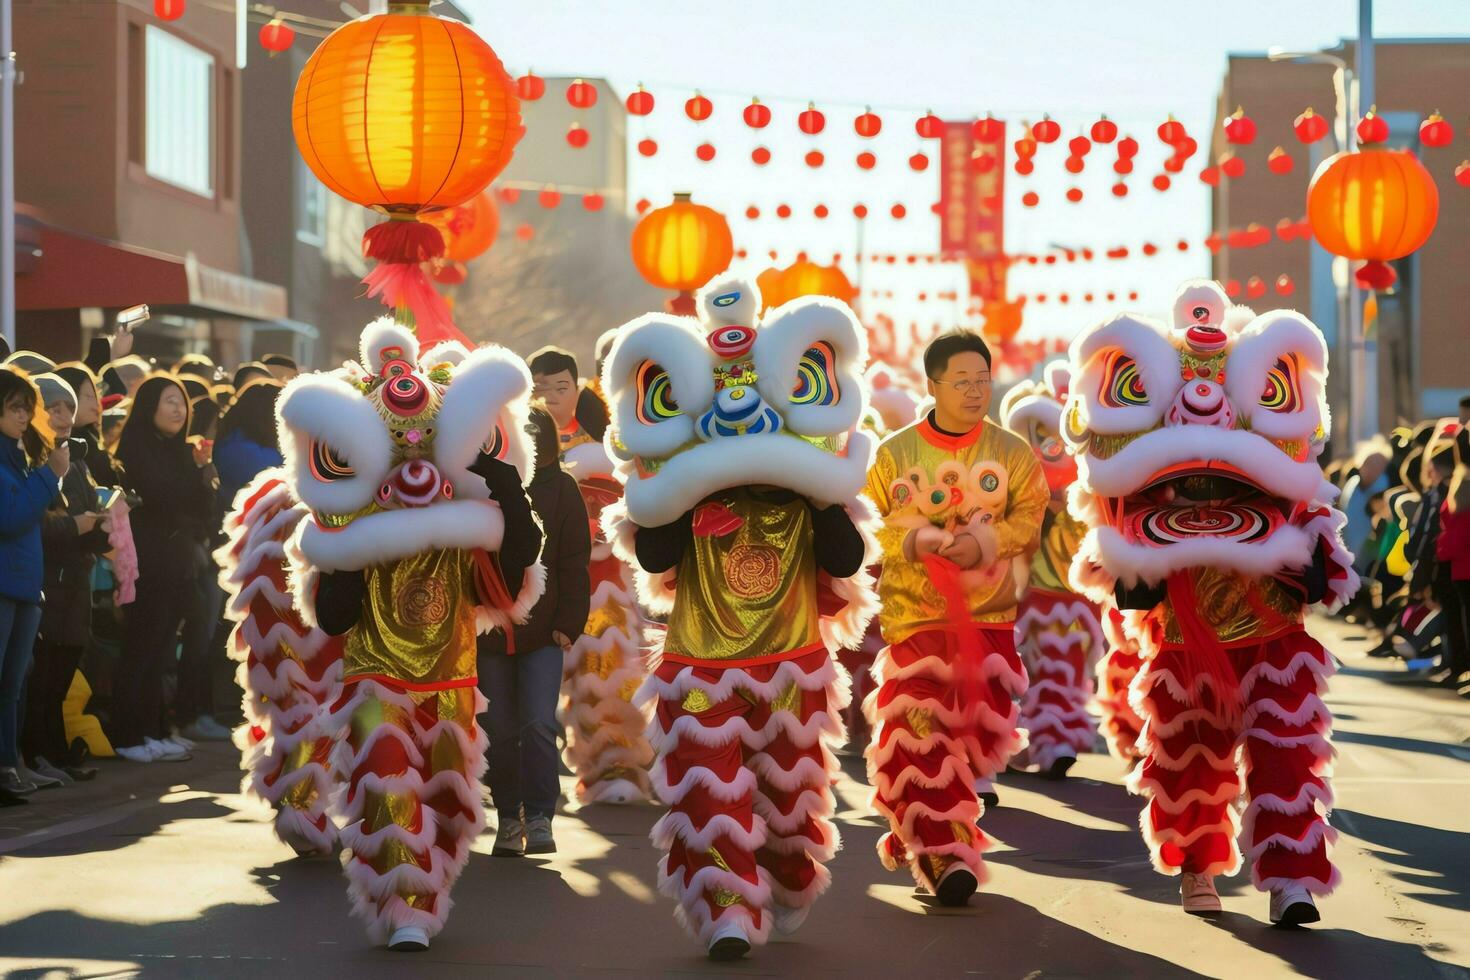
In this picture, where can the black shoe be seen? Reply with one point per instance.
(729, 948)
(956, 888)
(80, 773)
(1058, 769)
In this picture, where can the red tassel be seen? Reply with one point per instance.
(403, 286)
(493, 591)
(969, 675)
(1203, 654)
(403, 242)
(1375, 275)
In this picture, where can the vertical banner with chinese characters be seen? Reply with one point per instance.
(972, 206)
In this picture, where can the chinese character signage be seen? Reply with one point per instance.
(972, 206)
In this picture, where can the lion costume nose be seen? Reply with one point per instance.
(415, 483)
(1201, 401)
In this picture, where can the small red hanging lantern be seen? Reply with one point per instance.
(760, 156)
(1462, 174)
(1211, 176)
(1120, 189)
(1436, 131)
(647, 147)
(1074, 165)
(1280, 162)
(705, 152)
(919, 162)
(1030, 199)
(1149, 248)
(982, 163)
(757, 116)
(811, 121)
(820, 211)
(643, 205)
(929, 126)
(1255, 287)
(1215, 242)
(582, 94)
(1074, 194)
(1231, 165)
(1025, 147)
(898, 211)
(1232, 288)
(1284, 285)
(752, 212)
(577, 137)
(1182, 245)
(530, 87)
(592, 202)
(1185, 148)
(1240, 129)
(640, 103)
(814, 159)
(1104, 130)
(1286, 229)
(1171, 131)
(859, 211)
(866, 160)
(1123, 166)
(1024, 166)
(1046, 131)
(525, 232)
(1079, 145)
(1174, 164)
(1309, 126)
(868, 124)
(510, 195)
(1161, 182)
(168, 9)
(549, 198)
(1127, 148)
(699, 108)
(988, 130)
(783, 210)
(1372, 128)
(276, 37)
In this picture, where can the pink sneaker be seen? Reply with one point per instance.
(1197, 894)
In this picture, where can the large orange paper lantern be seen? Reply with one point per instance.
(806, 278)
(469, 229)
(772, 291)
(406, 113)
(1373, 205)
(680, 247)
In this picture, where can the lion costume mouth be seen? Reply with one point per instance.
(1198, 499)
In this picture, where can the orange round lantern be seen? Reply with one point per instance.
(1002, 320)
(682, 246)
(805, 278)
(406, 113)
(1373, 205)
(469, 229)
(770, 285)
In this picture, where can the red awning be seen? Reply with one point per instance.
(59, 269)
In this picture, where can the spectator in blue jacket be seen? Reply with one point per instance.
(27, 489)
(247, 443)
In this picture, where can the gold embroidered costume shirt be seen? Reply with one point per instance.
(910, 601)
(1061, 536)
(418, 622)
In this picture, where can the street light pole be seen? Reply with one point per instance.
(1365, 352)
(7, 176)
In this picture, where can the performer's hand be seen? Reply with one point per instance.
(926, 540)
(974, 546)
(561, 640)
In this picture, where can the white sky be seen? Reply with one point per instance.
(1136, 60)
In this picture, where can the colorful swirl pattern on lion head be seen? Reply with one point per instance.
(1033, 411)
(730, 399)
(1197, 442)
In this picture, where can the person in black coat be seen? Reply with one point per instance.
(171, 528)
(73, 532)
(522, 679)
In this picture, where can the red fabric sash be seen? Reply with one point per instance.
(493, 592)
(969, 652)
(1203, 654)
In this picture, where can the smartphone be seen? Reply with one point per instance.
(129, 317)
(78, 447)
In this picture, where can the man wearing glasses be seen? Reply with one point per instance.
(962, 502)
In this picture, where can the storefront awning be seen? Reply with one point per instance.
(58, 269)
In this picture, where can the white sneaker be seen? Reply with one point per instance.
(786, 920)
(41, 780)
(1197, 894)
(729, 941)
(187, 744)
(1293, 906)
(136, 753)
(166, 750)
(409, 939)
(206, 729)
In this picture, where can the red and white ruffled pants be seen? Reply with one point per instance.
(412, 762)
(930, 744)
(1195, 761)
(745, 765)
(1058, 639)
(1120, 724)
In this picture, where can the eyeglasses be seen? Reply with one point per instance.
(966, 386)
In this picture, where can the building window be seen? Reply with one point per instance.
(311, 205)
(179, 113)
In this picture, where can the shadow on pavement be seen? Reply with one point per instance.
(1431, 859)
(1334, 953)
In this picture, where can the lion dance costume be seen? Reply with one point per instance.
(607, 742)
(1058, 634)
(743, 462)
(1211, 524)
(406, 553)
(943, 715)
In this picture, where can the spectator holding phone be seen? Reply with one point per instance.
(102, 468)
(73, 533)
(171, 526)
(27, 488)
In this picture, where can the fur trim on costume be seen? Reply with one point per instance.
(487, 391)
(326, 408)
(676, 345)
(587, 460)
(385, 340)
(1273, 336)
(1130, 562)
(1158, 365)
(450, 352)
(385, 536)
(1156, 839)
(785, 335)
(739, 301)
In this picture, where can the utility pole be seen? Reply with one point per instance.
(7, 176)
(1364, 362)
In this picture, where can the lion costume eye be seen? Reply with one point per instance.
(816, 377)
(727, 299)
(655, 395)
(326, 465)
(1122, 384)
(1283, 386)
